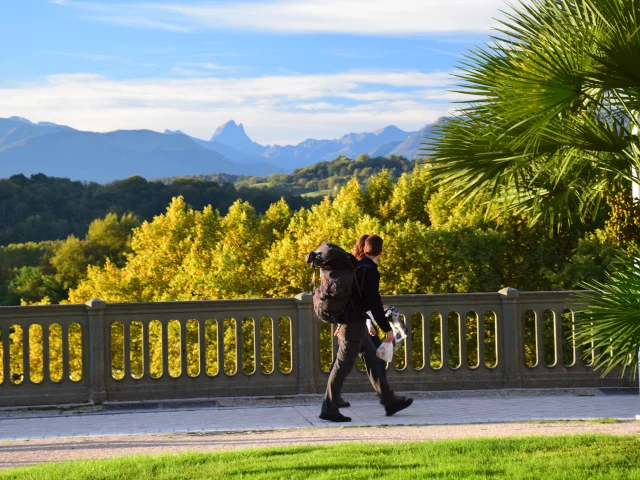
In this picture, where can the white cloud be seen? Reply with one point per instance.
(189, 72)
(319, 106)
(209, 66)
(275, 109)
(371, 17)
(98, 57)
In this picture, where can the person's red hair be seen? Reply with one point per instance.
(358, 249)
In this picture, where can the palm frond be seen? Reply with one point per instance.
(546, 116)
(617, 63)
(609, 319)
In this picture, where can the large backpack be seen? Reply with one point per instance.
(332, 299)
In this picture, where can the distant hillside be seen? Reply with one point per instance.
(49, 208)
(41, 207)
(313, 151)
(28, 149)
(383, 142)
(229, 152)
(413, 145)
(318, 179)
(16, 132)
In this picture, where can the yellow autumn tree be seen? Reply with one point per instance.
(161, 264)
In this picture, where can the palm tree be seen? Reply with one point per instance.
(549, 125)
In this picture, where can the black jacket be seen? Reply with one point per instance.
(368, 295)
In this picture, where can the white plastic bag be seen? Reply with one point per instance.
(385, 351)
(398, 327)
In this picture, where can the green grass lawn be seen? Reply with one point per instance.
(571, 457)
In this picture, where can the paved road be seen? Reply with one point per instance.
(444, 411)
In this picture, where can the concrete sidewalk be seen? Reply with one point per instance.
(431, 411)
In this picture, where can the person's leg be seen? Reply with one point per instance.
(350, 338)
(341, 402)
(383, 365)
(378, 378)
(376, 371)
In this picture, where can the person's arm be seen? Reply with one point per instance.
(371, 327)
(371, 294)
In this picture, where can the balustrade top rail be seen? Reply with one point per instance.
(100, 352)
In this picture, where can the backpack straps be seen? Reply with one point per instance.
(355, 278)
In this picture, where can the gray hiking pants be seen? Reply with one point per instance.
(353, 339)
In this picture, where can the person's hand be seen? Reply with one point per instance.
(372, 331)
(390, 337)
(335, 334)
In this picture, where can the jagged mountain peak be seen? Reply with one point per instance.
(233, 135)
(228, 128)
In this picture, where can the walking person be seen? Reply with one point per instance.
(358, 252)
(354, 339)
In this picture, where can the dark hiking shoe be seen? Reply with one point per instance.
(334, 417)
(342, 403)
(400, 404)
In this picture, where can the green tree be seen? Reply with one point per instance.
(412, 194)
(234, 270)
(110, 237)
(378, 195)
(39, 208)
(70, 261)
(154, 268)
(593, 256)
(12, 258)
(107, 239)
(32, 284)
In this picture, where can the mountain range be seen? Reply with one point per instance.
(57, 150)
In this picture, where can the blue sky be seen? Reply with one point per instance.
(288, 70)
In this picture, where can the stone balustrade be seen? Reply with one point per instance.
(60, 354)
